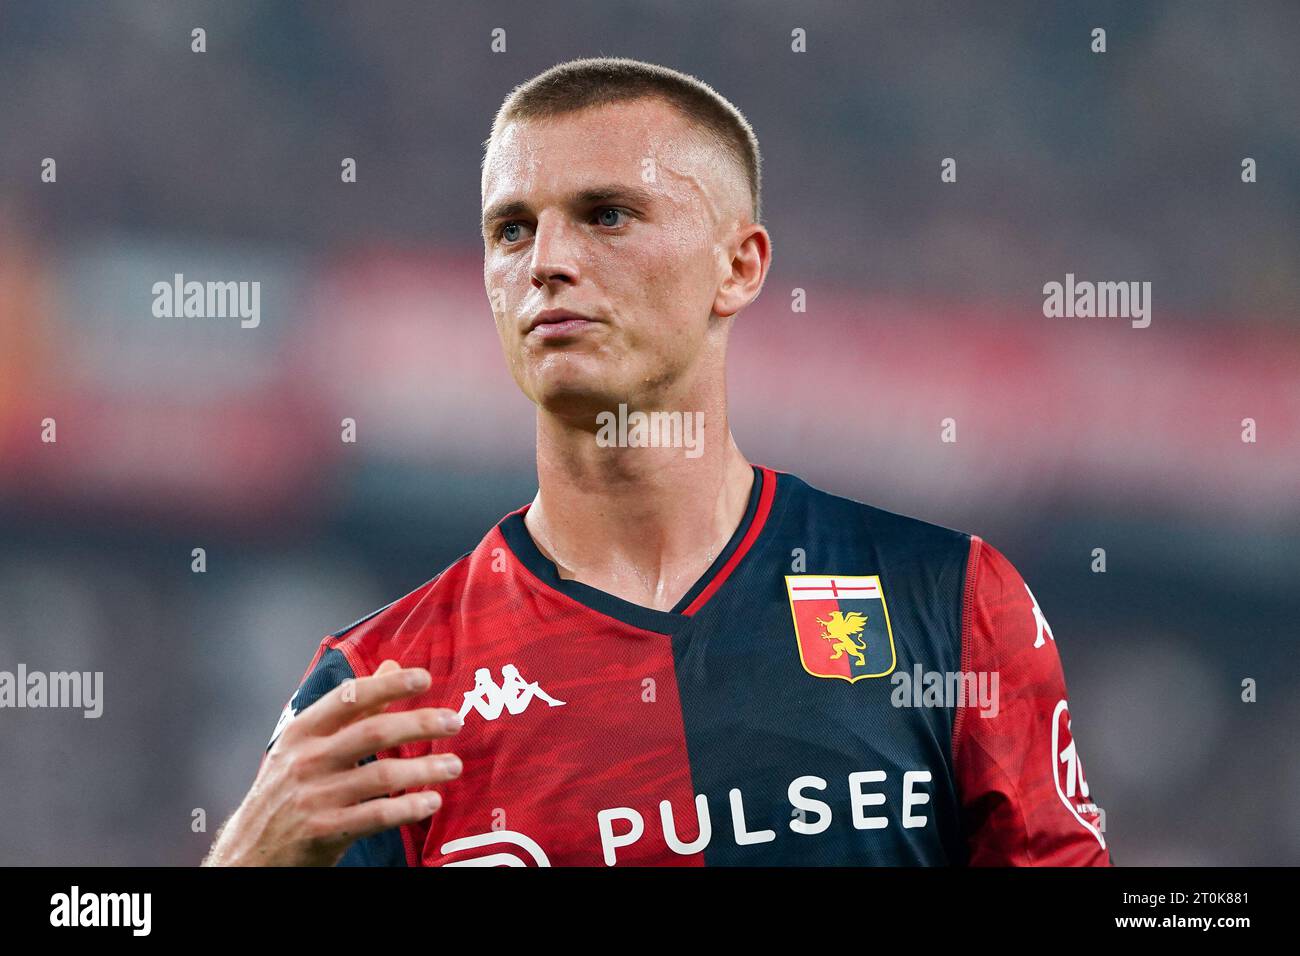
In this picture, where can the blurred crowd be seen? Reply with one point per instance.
(924, 303)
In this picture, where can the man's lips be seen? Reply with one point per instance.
(558, 323)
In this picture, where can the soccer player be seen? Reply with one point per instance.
(670, 656)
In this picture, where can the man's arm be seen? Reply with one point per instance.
(1024, 798)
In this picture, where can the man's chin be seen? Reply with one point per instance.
(575, 397)
(576, 405)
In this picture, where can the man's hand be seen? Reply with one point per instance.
(310, 800)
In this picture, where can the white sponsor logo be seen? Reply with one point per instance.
(1066, 764)
(860, 798)
(501, 857)
(513, 695)
(619, 827)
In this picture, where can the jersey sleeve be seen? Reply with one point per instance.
(1021, 786)
(328, 669)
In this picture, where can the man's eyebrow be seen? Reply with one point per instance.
(503, 210)
(613, 193)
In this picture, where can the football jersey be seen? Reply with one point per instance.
(843, 686)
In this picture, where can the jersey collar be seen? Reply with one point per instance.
(521, 543)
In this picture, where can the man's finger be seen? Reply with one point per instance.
(359, 697)
(384, 731)
(389, 775)
(376, 816)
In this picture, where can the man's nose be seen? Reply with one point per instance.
(555, 251)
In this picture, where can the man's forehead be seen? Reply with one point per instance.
(627, 142)
(610, 130)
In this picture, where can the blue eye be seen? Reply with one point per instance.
(606, 211)
(607, 216)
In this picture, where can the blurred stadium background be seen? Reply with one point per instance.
(924, 302)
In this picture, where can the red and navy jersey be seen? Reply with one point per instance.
(843, 686)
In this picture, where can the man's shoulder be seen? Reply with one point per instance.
(822, 513)
(395, 629)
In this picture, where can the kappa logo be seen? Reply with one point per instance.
(841, 624)
(513, 695)
(1040, 623)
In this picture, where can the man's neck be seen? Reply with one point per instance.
(642, 524)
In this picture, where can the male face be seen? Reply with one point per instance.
(623, 214)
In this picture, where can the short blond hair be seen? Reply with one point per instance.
(595, 81)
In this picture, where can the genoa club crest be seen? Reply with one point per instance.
(842, 625)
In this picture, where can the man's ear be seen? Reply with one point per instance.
(750, 260)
